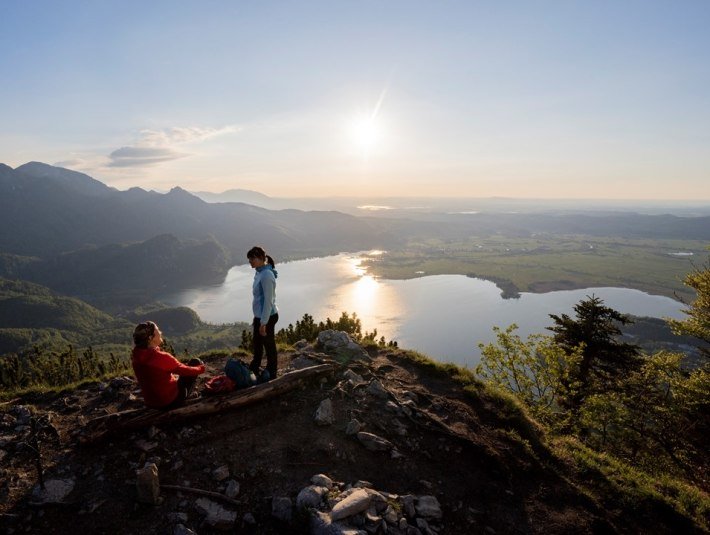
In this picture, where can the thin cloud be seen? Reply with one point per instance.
(157, 146)
(180, 135)
(142, 156)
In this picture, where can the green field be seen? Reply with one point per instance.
(547, 263)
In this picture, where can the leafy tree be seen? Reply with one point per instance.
(605, 360)
(538, 371)
(660, 419)
(697, 324)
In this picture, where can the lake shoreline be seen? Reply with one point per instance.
(445, 316)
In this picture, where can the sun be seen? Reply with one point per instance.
(365, 133)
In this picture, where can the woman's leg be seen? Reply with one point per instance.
(258, 347)
(185, 386)
(270, 346)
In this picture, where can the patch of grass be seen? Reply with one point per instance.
(442, 369)
(44, 390)
(624, 487)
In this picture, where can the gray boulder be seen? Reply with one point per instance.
(310, 497)
(376, 389)
(355, 503)
(341, 346)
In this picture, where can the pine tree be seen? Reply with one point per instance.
(605, 360)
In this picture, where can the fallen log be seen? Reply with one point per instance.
(103, 426)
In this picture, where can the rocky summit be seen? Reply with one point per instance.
(384, 443)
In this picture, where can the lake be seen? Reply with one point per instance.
(443, 316)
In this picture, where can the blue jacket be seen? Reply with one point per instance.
(264, 289)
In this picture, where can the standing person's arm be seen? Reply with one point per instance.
(268, 285)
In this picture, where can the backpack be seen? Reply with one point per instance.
(218, 385)
(240, 373)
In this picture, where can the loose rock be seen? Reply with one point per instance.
(148, 484)
(322, 480)
(217, 516)
(281, 508)
(232, 489)
(221, 473)
(182, 530)
(428, 507)
(324, 413)
(374, 442)
(55, 491)
(310, 497)
(355, 503)
(353, 427)
(376, 389)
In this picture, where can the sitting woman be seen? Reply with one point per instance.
(154, 370)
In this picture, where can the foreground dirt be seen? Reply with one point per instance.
(455, 447)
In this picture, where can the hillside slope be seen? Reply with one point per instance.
(488, 467)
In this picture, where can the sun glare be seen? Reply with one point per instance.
(365, 133)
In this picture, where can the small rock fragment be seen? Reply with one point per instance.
(148, 484)
(217, 516)
(321, 480)
(324, 413)
(428, 507)
(221, 473)
(232, 489)
(374, 442)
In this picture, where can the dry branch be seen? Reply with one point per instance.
(141, 418)
(192, 490)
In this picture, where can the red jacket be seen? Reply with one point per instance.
(154, 370)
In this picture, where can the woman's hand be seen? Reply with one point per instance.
(262, 330)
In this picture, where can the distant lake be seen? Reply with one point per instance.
(444, 316)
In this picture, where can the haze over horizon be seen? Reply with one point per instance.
(568, 100)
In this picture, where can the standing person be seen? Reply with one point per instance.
(157, 371)
(264, 308)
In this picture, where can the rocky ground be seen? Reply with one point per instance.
(381, 445)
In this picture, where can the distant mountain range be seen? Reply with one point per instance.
(47, 210)
(237, 195)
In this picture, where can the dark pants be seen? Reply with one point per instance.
(185, 387)
(267, 342)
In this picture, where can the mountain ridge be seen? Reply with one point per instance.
(45, 216)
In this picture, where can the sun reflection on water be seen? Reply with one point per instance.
(371, 300)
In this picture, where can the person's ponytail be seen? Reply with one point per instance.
(270, 261)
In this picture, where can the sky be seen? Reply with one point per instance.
(531, 99)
